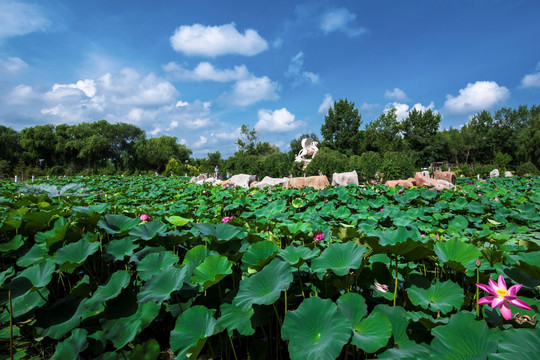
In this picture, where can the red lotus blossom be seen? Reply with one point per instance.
(226, 219)
(381, 287)
(318, 236)
(145, 217)
(501, 297)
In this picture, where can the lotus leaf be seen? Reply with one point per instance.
(265, 287)
(518, 341)
(13, 244)
(294, 253)
(72, 255)
(316, 330)
(148, 350)
(458, 254)
(37, 253)
(178, 220)
(441, 296)
(153, 263)
(71, 347)
(117, 281)
(160, 286)
(463, 337)
(340, 258)
(259, 254)
(117, 223)
(211, 271)
(192, 329)
(221, 232)
(232, 317)
(121, 248)
(40, 274)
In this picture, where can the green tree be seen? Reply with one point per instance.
(383, 134)
(419, 132)
(248, 140)
(156, 152)
(9, 147)
(341, 128)
(38, 142)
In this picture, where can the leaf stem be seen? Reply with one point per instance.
(10, 325)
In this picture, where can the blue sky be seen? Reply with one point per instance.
(198, 70)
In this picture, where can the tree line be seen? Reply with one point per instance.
(505, 139)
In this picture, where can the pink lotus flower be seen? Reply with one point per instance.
(318, 236)
(501, 297)
(479, 195)
(382, 209)
(145, 217)
(496, 199)
(373, 182)
(401, 191)
(381, 287)
(226, 219)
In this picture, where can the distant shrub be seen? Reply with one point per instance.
(328, 161)
(366, 165)
(56, 170)
(483, 170)
(527, 168)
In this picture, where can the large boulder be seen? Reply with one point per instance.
(243, 180)
(317, 182)
(345, 178)
(494, 173)
(405, 183)
(200, 178)
(421, 180)
(269, 181)
(508, 174)
(446, 176)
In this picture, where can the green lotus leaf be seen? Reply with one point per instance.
(40, 275)
(298, 227)
(132, 325)
(191, 330)
(72, 255)
(518, 341)
(402, 241)
(316, 330)
(526, 212)
(294, 253)
(340, 258)
(148, 350)
(297, 203)
(153, 263)
(18, 286)
(97, 208)
(117, 223)
(429, 194)
(56, 234)
(6, 274)
(398, 319)
(121, 248)
(475, 207)
(458, 224)
(71, 347)
(463, 338)
(211, 271)
(259, 254)
(221, 232)
(160, 286)
(37, 253)
(195, 256)
(149, 230)
(13, 244)
(407, 351)
(118, 280)
(26, 303)
(232, 317)
(369, 334)
(37, 220)
(58, 319)
(458, 255)
(178, 220)
(441, 296)
(528, 262)
(458, 204)
(265, 287)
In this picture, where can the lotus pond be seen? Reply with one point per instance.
(156, 268)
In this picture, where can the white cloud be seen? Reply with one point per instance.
(531, 80)
(17, 18)
(200, 143)
(156, 131)
(87, 86)
(368, 107)
(481, 95)
(326, 104)
(12, 65)
(206, 72)
(396, 94)
(217, 40)
(21, 95)
(277, 121)
(402, 110)
(249, 91)
(298, 74)
(339, 20)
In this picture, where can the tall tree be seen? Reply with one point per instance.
(419, 132)
(157, 152)
(9, 145)
(383, 134)
(248, 139)
(341, 128)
